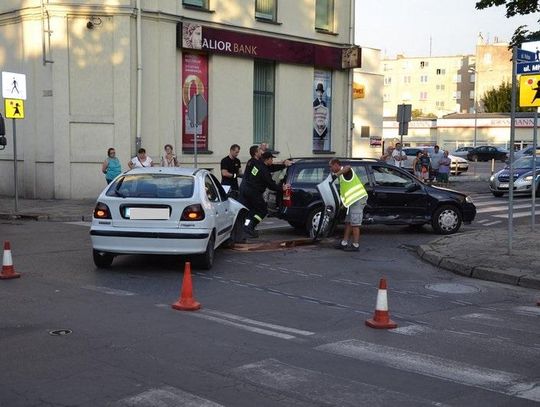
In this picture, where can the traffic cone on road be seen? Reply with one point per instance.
(381, 318)
(186, 302)
(7, 264)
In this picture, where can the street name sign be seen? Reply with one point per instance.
(528, 67)
(525, 56)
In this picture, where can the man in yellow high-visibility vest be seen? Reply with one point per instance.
(354, 197)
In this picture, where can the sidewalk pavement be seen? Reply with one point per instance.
(478, 254)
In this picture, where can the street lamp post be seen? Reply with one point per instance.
(475, 101)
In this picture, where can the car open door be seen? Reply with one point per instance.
(328, 216)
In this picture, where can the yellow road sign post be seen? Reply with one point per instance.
(14, 108)
(529, 90)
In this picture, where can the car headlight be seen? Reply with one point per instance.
(468, 199)
(527, 178)
(492, 178)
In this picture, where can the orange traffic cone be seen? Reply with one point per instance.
(381, 319)
(186, 302)
(7, 264)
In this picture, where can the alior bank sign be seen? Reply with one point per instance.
(194, 36)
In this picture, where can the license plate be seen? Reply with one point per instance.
(147, 213)
(504, 185)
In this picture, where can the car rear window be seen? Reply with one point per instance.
(152, 186)
(311, 175)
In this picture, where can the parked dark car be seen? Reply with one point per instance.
(499, 183)
(395, 197)
(486, 153)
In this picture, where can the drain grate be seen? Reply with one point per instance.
(453, 288)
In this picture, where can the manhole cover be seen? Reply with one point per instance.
(60, 332)
(452, 288)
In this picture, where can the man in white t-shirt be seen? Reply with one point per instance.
(140, 160)
(436, 156)
(399, 155)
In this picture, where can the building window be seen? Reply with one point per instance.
(439, 104)
(457, 78)
(196, 3)
(364, 131)
(324, 15)
(423, 95)
(471, 94)
(387, 80)
(441, 71)
(386, 97)
(457, 94)
(263, 103)
(473, 78)
(440, 87)
(265, 9)
(424, 64)
(423, 78)
(407, 79)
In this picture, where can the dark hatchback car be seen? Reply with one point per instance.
(395, 197)
(486, 153)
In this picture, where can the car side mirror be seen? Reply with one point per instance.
(412, 187)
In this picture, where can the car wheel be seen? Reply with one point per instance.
(206, 260)
(498, 194)
(237, 233)
(312, 223)
(446, 220)
(102, 260)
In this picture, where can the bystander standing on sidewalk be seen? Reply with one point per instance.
(399, 155)
(141, 160)
(435, 157)
(444, 169)
(111, 166)
(169, 159)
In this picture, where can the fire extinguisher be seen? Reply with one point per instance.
(287, 202)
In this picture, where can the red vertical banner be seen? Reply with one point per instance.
(194, 81)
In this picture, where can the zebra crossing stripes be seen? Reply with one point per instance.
(493, 209)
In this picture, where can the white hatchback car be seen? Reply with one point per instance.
(164, 211)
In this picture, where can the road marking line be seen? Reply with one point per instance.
(482, 221)
(517, 215)
(108, 291)
(500, 209)
(320, 388)
(166, 396)
(493, 223)
(433, 366)
(241, 326)
(410, 330)
(529, 311)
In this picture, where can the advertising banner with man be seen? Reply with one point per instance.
(194, 82)
(322, 110)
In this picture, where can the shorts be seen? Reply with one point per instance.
(355, 213)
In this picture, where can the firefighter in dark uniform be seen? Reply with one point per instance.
(257, 178)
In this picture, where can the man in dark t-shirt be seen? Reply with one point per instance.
(231, 168)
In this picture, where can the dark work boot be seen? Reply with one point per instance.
(250, 231)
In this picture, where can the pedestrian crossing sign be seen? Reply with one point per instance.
(14, 108)
(529, 90)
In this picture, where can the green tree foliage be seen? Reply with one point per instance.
(513, 8)
(499, 100)
(419, 114)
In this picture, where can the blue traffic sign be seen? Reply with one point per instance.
(527, 67)
(525, 56)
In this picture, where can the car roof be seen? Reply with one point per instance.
(326, 160)
(187, 171)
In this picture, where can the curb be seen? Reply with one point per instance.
(520, 277)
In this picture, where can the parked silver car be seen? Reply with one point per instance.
(161, 210)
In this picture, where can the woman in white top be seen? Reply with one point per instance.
(169, 159)
(140, 160)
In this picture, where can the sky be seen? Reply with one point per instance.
(406, 26)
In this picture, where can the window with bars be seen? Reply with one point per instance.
(196, 3)
(266, 9)
(324, 15)
(263, 102)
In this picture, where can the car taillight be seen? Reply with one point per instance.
(101, 211)
(193, 212)
(287, 196)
